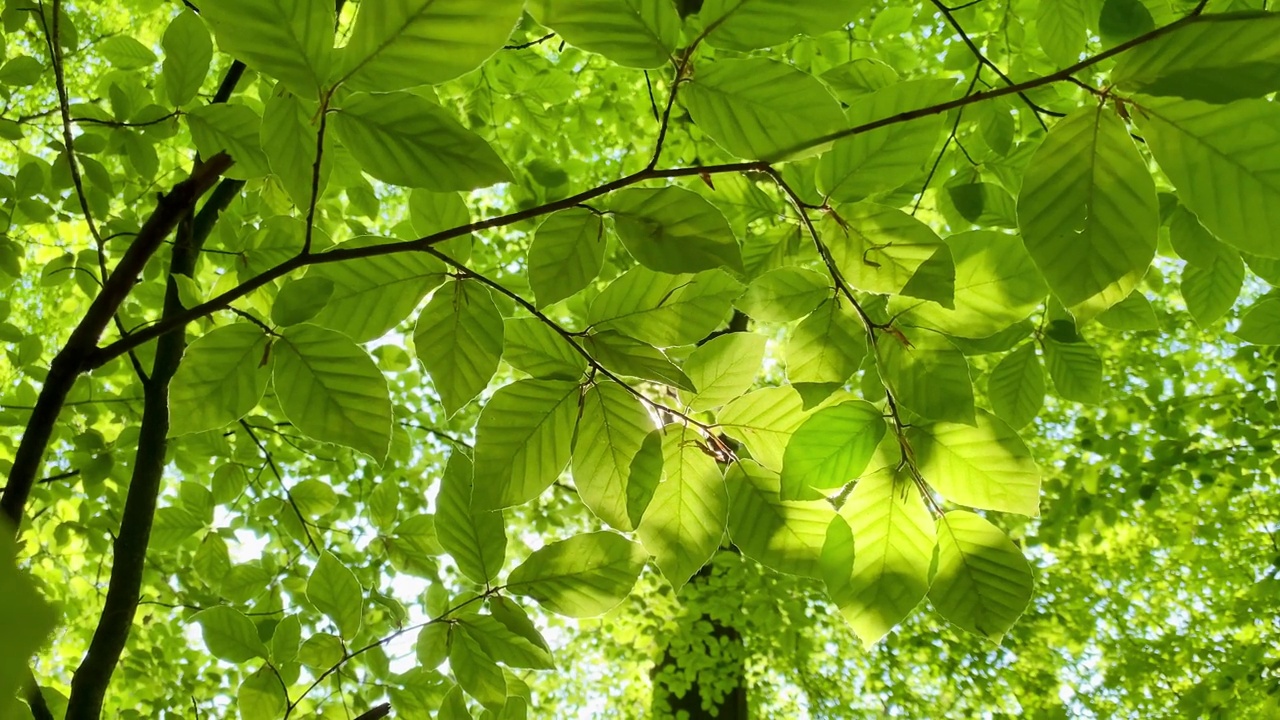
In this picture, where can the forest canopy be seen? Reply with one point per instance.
(639, 358)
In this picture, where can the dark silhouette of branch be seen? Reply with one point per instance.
(377, 712)
(529, 44)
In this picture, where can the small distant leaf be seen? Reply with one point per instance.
(583, 576)
(982, 582)
(566, 254)
(229, 635)
(126, 53)
(331, 390)
(404, 139)
(459, 340)
(334, 590)
(674, 230)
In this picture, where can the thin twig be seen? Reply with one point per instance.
(531, 43)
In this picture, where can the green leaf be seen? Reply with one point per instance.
(529, 344)
(1123, 20)
(188, 52)
(1210, 290)
(686, 519)
(399, 44)
(754, 24)
(222, 377)
(126, 53)
(1132, 313)
(1219, 157)
(313, 498)
(662, 309)
(454, 705)
(781, 534)
(476, 672)
(986, 466)
(583, 576)
(674, 230)
(300, 300)
(784, 294)
(331, 390)
(21, 71)
(764, 421)
(432, 646)
(645, 474)
(828, 346)
(724, 368)
(173, 526)
(927, 375)
(860, 76)
(404, 139)
(289, 136)
(321, 651)
(229, 635)
(286, 639)
(881, 249)
(477, 540)
(894, 534)
(612, 426)
(523, 441)
(373, 295)
(459, 340)
(1228, 59)
(624, 355)
(830, 449)
(261, 696)
(1261, 323)
(1062, 30)
(1016, 387)
(982, 582)
(334, 590)
(882, 159)
(760, 109)
(631, 33)
(504, 646)
(233, 129)
(25, 618)
(289, 40)
(384, 505)
(566, 254)
(1076, 370)
(1088, 211)
(997, 285)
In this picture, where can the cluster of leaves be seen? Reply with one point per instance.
(750, 304)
